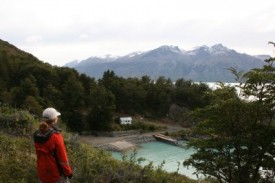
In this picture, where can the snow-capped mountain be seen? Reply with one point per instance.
(209, 64)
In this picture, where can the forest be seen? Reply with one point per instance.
(86, 103)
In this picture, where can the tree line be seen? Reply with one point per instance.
(86, 103)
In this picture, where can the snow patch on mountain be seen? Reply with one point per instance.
(196, 50)
(108, 57)
(134, 54)
(219, 49)
(167, 48)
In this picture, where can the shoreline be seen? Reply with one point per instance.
(118, 143)
(124, 140)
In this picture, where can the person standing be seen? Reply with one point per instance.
(52, 161)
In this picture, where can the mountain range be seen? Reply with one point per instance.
(205, 64)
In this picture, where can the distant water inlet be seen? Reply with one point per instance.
(215, 85)
(157, 152)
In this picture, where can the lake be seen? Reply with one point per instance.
(157, 152)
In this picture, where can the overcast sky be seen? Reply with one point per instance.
(60, 31)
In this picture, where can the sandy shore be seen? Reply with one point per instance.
(124, 141)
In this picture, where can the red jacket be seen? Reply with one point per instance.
(47, 167)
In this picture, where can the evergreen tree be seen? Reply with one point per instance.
(102, 108)
(159, 96)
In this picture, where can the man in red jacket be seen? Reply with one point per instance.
(52, 161)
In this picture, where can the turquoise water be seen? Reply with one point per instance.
(157, 152)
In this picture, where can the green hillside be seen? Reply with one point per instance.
(27, 83)
(27, 86)
(86, 103)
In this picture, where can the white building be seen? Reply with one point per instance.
(125, 120)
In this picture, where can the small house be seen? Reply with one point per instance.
(125, 120)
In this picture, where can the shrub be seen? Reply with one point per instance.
(17, 160)
(17, 122)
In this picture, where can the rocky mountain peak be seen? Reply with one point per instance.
(219, 49)
(200, 64)
(167, 50)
